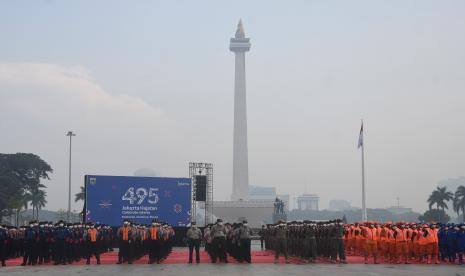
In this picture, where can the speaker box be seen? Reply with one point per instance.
(201, 188)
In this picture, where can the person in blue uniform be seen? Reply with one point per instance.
(442, 237)
(30, 238)
(452, 243)
(461, 243)
(61, 234)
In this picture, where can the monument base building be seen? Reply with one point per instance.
(257, 212)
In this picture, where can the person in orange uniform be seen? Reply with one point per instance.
(433, 245)
(350, 237)
(358, 240)
(415, 242)
(154, 236)
(391, 244)
(92, 237)
(370, 237)
(400, 235)
(124, 235)
(408, 228)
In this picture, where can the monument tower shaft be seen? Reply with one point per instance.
(239, 45)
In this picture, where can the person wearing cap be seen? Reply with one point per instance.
(218, 234)
(30, 238)
(92, 239)
(452, 243)
(442, 237)
(124, 235)
(280, 241)
(400, 235)
(208, 241)
(154, 235)
(371, 237)
(194, 237)
(60, 235)
(461, 242)
(245, 234)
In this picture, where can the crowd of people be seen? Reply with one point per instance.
(406, 242)
(60, 243)
(66, 243)
(382, 242)
(307, 240)
(222, 240)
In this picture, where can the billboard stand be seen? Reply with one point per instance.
(204, 172)
(111, 199)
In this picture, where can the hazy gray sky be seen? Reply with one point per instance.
(150, 84)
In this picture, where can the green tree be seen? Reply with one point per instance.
(9, 194)
(25, 171)
(439, 197)
(39, 201)
(459, 202)
(81, 195)
(434, 215)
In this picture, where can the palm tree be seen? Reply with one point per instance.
(39, 202)
(459, 201)
(81, 195)
(439, 197)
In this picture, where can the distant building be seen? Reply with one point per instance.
(257, 212)
(308, 202)
(339, 205)
(259, 193)
(397, 210)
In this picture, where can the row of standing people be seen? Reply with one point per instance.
(222, 240)
(307, 240)
(60, 243)
(66, 243)
(136, 240)
(406, 242)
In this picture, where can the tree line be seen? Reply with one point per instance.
(439, 199)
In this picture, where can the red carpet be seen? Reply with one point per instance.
(181, 256)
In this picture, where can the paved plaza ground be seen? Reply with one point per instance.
(176, 265)
(237, 269)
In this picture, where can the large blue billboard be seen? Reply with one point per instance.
(111, 199)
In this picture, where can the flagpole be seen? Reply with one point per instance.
(364, 207)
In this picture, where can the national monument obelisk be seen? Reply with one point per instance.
(257, 212)
(239, 45)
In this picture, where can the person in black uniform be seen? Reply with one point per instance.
(92, 239)
(3, 241)
(125, 238)
(261, 233)
(60, 236)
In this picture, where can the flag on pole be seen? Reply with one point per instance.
(360, 138)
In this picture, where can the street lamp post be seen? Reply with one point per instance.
(70, 134)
